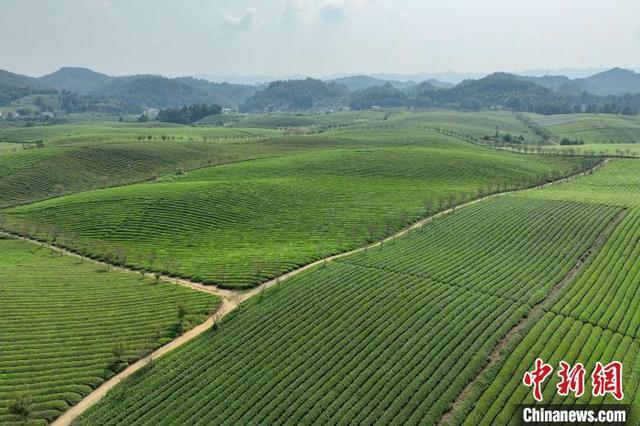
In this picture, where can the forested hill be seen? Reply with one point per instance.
(14, 86)
(149, 90)
(297, 95)
(133, 92)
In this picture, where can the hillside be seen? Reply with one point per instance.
(296, 95)
(328, 200)
(616, 81)
(53, 343)
(385, 96)
(389, 335)
(15, 86)
(502, 90)
(148, 91)
(78, 80)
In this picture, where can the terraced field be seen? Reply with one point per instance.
(68, 325)
(397, 330)
(594, 319)
(240, 224)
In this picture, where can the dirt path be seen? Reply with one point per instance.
(232, 298)
(535, 311)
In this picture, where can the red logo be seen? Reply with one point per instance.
(571, 379)
(608, 380)
(605, 379)
(536, 377)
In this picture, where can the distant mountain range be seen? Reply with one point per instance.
(81, 89)
(140, 91)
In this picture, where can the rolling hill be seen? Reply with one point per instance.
(328, 201)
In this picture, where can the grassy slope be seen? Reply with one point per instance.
(594, 319)
(82, 157)
(593, 128)
(61, 319)
(390, 335)
(476, 124)
(287, 211)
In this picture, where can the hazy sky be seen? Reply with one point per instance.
(316, 37)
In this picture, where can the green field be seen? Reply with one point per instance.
(240, 224)
(594, 319)
(610, 149)
(390, 335)
(86, 156)
(62, 319)
(592, 128)
(475, 124)
(299, 123)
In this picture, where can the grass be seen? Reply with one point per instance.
(390, 335)
(241, 224)
(62, 319)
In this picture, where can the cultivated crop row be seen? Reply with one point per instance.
(358, 340)
(69, 325)
(595, 318)
(240, 224)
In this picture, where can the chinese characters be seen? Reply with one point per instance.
(605, 379)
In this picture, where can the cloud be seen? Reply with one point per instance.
(247, 20)
(328, 10)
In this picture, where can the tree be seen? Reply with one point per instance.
(118, 351)
(182, 312)
(59, 189)
(21, 406)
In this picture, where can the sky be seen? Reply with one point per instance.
(316, 37)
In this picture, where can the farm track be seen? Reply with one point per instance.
(232, 298)
(536, 310)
